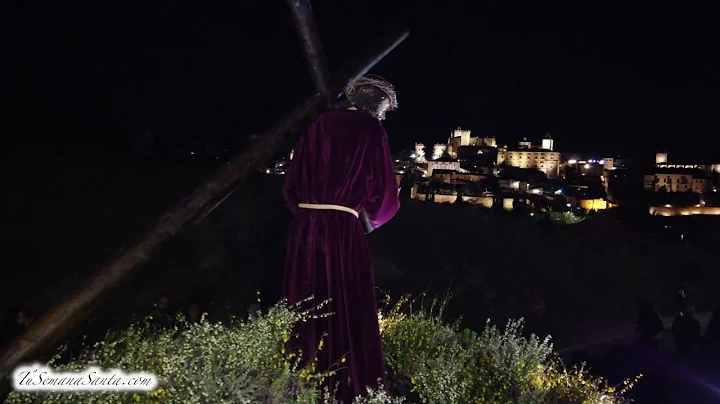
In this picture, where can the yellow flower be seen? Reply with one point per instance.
(157, 393)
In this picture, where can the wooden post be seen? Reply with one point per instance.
(52, 327)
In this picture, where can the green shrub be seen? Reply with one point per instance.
(246, 362)
(565, 217)
(446, 365)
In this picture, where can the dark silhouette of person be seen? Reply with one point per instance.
(712, 337)
(406, 184)
(686, 329)
(13, 325)
(194, 314)
(160, 317)
(24, 319)
(191, 315)
(681, 297)
(649, 324)
(712, 334)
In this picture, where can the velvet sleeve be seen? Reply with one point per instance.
(382, 202)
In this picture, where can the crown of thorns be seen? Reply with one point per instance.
(377, 81)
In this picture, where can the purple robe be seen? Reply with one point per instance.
(343, 159)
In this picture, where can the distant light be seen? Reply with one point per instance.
(601, 162)
(267, 171)
(192, 152)
(572, 161)
(587, 166)
(412, 156)
(568, 205)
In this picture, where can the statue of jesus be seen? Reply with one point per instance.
(341, 185)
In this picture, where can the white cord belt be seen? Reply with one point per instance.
(320, 206)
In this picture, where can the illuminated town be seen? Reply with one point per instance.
(538, 178)
(479, 171)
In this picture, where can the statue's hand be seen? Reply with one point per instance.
(366, 223)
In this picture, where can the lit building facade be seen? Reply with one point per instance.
(661, 161)
(461, 138)
(442, 164)
(683, 211)
(708, 168)
(540, 159)
(679, 177)
(677, 180)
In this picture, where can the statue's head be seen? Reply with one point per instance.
(372, 95)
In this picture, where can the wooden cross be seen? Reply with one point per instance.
(49, 330)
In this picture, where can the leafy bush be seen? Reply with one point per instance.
(246, 362)
(565, 217)
(446, 365)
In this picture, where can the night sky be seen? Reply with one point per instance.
(87, 76)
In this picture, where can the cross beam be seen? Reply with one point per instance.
(312, 47)
(54, 325)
